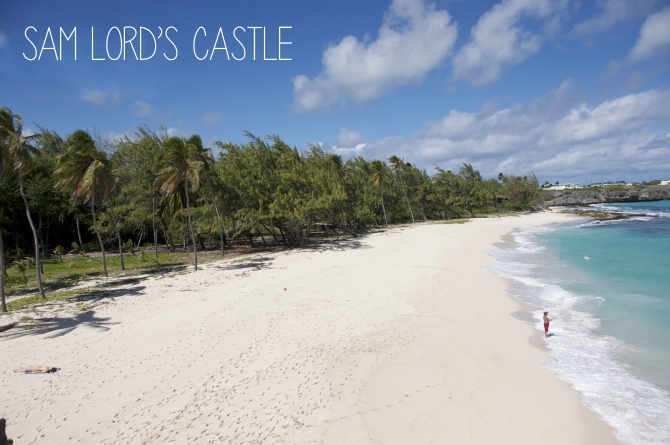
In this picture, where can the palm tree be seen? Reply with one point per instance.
(20, 155)
(5, 173)
(397, 167)
(378, 177)
(88, 171)
(181, 166)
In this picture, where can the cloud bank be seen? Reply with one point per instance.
(414, 38)
(553, 136)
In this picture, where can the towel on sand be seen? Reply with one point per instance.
(37, 370)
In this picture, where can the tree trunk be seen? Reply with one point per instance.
(139, 238)
(39, 232)
(95, 227)
(3, 303)
(118, 234)
(168, 240)
(76, 217)
(271, 233)
(46, 240)
(402, 186)
(308, 232)
(38, 264)
(282, 235)
(153, 221)
(384, 210)
(446, 212)
(190, 225)
(218, 217)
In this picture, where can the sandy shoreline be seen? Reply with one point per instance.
(397, 338)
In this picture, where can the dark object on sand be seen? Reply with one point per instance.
(37, 370)
(3, 435)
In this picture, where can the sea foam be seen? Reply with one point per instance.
(636, 409)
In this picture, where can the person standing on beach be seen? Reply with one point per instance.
(546, 324)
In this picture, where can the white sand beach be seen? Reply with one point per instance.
(399, 337)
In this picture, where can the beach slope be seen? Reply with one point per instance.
(399, 337)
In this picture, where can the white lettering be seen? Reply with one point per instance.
(31, 42)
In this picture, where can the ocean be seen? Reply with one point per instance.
(608, 283)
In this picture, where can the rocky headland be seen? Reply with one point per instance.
(586, 197)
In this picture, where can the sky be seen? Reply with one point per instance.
(569, 90)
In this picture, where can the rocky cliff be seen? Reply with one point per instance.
(584, 197)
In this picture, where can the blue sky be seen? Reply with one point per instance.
(567, 89)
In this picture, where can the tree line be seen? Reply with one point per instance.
(153, 189)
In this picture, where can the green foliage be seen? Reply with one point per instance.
(59, 250)
(148, 187)
(76, 249)
(21, 268)
(129, 247)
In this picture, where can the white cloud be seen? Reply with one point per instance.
(497, 41)
(143, 109)
(100, 98)
(348, 141)
(27, 131)
(654, 36)
(172, 131)
(611, 13)
(414, 38)
(552, 136)
(119, 136)
(348, 138)
(212, 117)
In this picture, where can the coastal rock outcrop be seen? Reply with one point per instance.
(585, 197)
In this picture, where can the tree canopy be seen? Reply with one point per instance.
(159, 190)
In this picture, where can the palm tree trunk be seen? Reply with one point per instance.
(153, 218)
(81, 244)
(168, 240)
(190, 225)
(118, 235)
(95, 227)
(384, 210)
(3, 302)
(40, 232)
(38, 265)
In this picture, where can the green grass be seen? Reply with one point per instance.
(74, 269)
(25, 302)
(453, 221)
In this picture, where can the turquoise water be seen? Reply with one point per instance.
(628, 266)
(609, 285)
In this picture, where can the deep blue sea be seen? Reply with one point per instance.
(609, 285)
